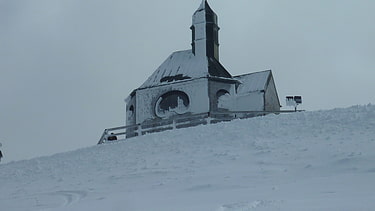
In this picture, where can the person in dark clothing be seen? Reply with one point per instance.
(112, 137)
(1, 155)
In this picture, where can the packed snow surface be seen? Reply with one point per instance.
(321, 160)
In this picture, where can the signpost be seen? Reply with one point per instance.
(293, 101)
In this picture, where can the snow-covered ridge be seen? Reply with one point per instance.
(321, 160)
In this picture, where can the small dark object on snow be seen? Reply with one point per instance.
(1, 155)
(112, 137)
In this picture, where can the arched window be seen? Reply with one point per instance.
(221, 98)
(221, 92)
(131, 111)
(172, 103)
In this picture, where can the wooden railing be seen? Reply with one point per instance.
(159, 125)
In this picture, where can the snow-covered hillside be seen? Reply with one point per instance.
(322, 160)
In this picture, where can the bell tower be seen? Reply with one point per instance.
(205, 32)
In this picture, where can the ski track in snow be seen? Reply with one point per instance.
(70, 197)
(247, 206)
(321, 160)
(46, 201)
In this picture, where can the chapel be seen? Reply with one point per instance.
(194, 81)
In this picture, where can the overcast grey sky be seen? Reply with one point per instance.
(67, 65)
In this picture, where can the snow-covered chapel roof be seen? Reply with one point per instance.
(184, 65)
(181, 65)
(253, 82)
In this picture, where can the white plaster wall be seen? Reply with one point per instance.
(197, 90)
(130, 118)
(252, 101)
(272, 99)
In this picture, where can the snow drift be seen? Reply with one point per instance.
(322, 160)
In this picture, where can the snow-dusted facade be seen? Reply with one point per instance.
(193, 81)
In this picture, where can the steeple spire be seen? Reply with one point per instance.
(203, 4)
(205, 32)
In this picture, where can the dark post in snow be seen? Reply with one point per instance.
(1, 154)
